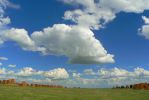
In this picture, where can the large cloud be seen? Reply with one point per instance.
(75, 42)
(102, 11)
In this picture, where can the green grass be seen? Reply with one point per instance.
(29, 93)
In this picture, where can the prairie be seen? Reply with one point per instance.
(30, 93)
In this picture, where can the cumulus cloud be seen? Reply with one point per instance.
(28, 73)
(102, 11)
(110, 77)
(129, 6)
(135, 6)
(21, 37)
(118, 72)
(144, 30)
(91, 10)
(115, 72)
(59, 73)
(3, 58)
(75, 42)
(4, 20)
(76, 75)
(104, 77)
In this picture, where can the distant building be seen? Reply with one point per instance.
(24, 83)
(144, 86)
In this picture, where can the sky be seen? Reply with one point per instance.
(87, 43)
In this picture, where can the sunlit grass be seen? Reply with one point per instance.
(29, 93)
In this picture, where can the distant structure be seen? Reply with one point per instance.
(139, 86)
(9, 81)
(25, 84)
(144, 86)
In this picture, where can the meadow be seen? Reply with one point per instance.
(30, 93)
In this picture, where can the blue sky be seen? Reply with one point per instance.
(119, 37)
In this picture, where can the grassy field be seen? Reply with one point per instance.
(29, 93)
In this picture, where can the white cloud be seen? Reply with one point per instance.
(4, 20)
(105, 77)
(135, 6)
(2, 71)
(130, 6)
(82, 18)
(145, 19)
(76, 75)
(25, 72)
(21, 37)
(115, 72)
(102, 11)
(118, 73)
(141, 72)
(75, 42)
(59, 73)
(111, 77)
(28, 72)
(144, 30)
(3, 58)
(12, 66)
